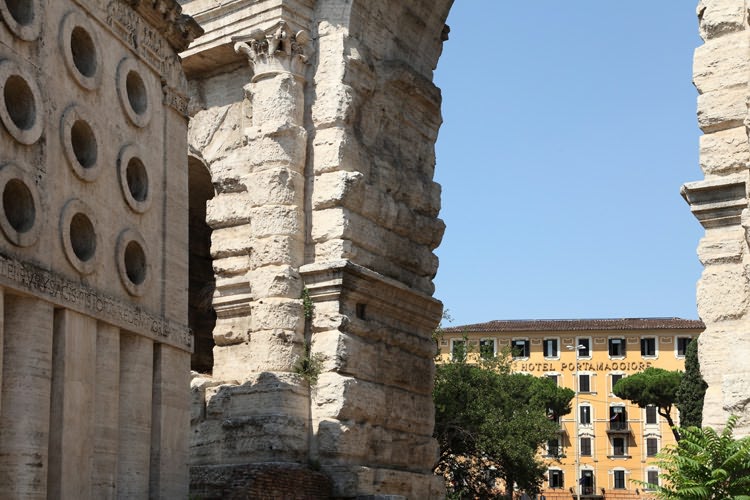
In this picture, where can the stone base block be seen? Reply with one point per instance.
(366, 483)
(263, 480)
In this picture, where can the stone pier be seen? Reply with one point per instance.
(317, 122)
(721, 74)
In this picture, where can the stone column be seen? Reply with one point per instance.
(134, 445)
(261, 411)
(26, 383)
(106, 422)
(73, 379)
(720, 203)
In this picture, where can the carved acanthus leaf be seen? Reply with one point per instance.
(279, 42)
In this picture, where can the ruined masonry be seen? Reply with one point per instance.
(720, 202)
(94, 345)
(316, 122)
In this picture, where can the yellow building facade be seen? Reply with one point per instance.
(605, 443)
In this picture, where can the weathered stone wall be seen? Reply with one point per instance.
(317, 121)
(94, 351)
(720, 202)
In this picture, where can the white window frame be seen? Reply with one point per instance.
(645, 416)
(591, 445)
(611, 384)
(624, 478)
(591, 383)
(591, 415)
(645, 445)
(494, 346)
(625, 446)
(646, 473)
(549, 477)
(677, 344)
(624, 345)
(544, 347)
(656, 347)
(591, 347)
(465, 343)
(512, 345)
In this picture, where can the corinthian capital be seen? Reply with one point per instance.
(274, 50)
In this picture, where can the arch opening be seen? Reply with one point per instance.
(201, 314)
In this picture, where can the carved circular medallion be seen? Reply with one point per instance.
(133, 93)
(79, 238)
(23, 17)
(80, 50)
(79, 143)
(134, 180)
(132, 262)
(19, 217)
(20, 100)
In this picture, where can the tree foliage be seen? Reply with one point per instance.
(692, 389)
(705, 465)
(653, 386)
(486, 415)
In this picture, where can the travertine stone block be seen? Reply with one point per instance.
(725, 152)
(722, 63)
(719, 17)
(275, 351)
(722, 292)
(721, 109)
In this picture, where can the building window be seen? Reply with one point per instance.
(556, 478)
(553, 448)
(617, 348)
(652, 478)
(618, 418)
(652, 416)
(584, 350)
(652, 447)
(615, 377)
(648, 347)
(619, 447)
(487, 348)
(551, 348)
(585, 415)
(584, 383)
(585, 449)
(682, 345)
(458, 350)
(521, 348)
(619, 482)
(553, 378)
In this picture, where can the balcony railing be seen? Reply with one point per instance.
(618, 427)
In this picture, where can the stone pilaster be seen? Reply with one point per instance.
(258, 246)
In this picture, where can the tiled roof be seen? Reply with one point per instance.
(528, 325)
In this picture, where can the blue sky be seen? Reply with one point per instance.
(568, 130)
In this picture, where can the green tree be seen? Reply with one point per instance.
(705, 465)
(653, 386)
(692, 389)
(495, 419)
